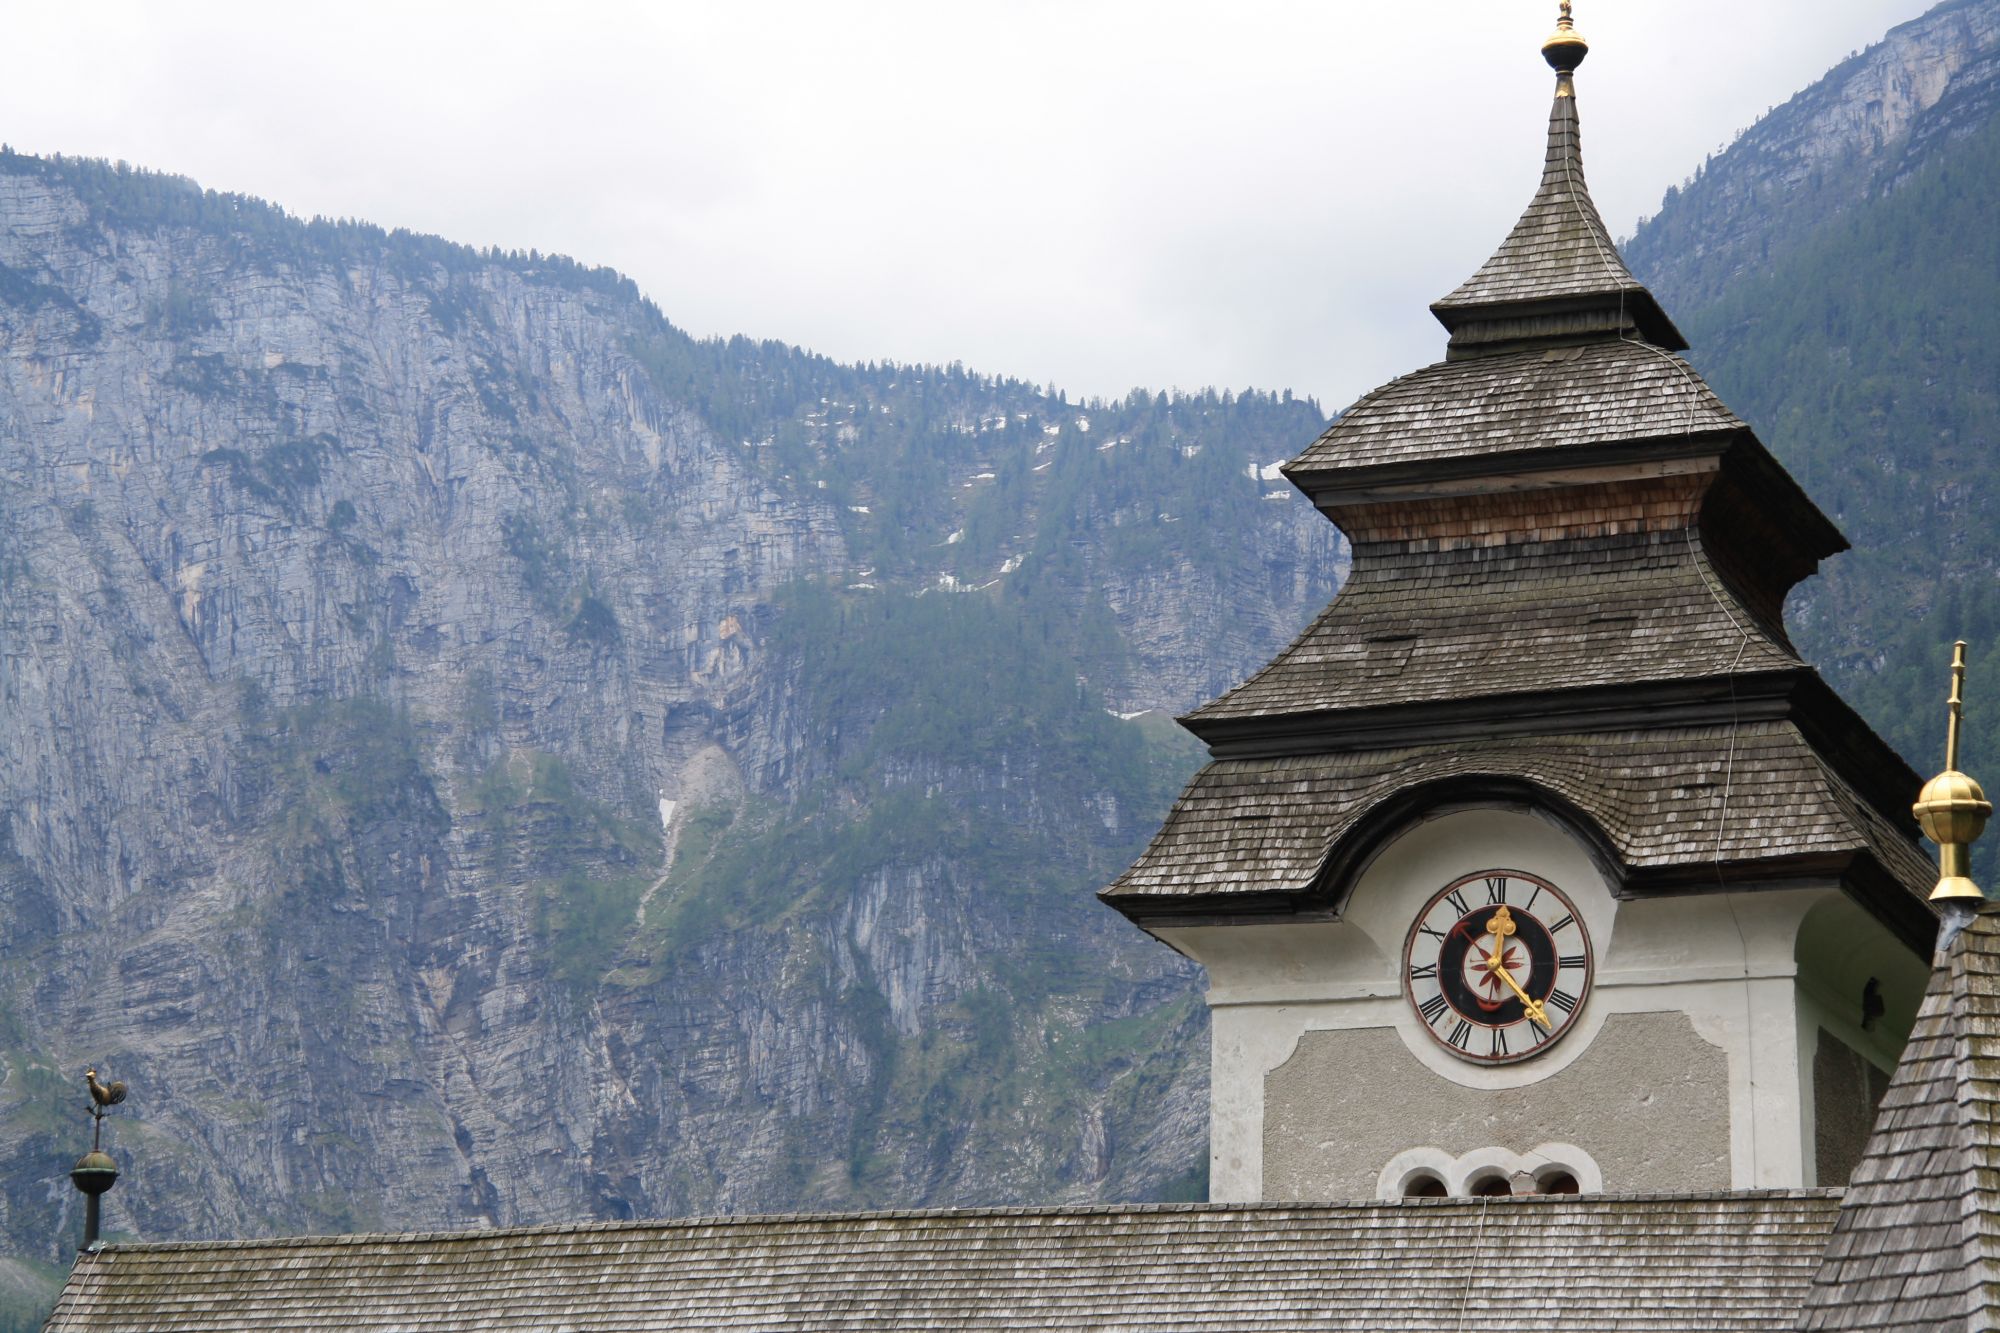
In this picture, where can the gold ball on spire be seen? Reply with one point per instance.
(1953, 808)
(1565, 48)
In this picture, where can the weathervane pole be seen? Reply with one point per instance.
(1957, 705)
(96, 1171)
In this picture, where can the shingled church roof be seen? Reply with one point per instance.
(1526, 403)
(1422, 627)
(1650, 1264)
(1570, 561)
(1558, 256)
(1917, 1244)
(1736, 801)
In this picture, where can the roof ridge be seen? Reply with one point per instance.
(1271, 1207)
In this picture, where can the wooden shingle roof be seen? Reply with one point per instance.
(1559, 256)
(1416, 626)
(1917, 1245)
(1259, 833)
(1521, 404)
(1650, 1264)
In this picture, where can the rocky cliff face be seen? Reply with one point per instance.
(1836, 271)
(470, 754)
(1850, 136)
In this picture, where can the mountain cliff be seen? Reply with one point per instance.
(475, 754)
(1847, 139)
(1837, 271)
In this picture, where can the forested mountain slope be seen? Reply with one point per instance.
(1838, 272)
(474, 754)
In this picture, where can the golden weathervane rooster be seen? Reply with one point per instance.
(102, 1094)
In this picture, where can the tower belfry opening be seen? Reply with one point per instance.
(1540, 853)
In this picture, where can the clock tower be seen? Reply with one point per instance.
(1540, 861)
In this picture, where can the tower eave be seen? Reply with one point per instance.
(1487, 328)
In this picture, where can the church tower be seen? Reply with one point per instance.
(1541, 861)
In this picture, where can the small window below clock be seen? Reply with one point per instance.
(1424, 1185)
(1556, 1180)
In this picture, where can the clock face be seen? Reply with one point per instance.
(1497, 966)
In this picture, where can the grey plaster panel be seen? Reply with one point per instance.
(1846, 1091)
(1649, 1101)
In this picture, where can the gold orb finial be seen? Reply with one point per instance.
(1565, 48)
(1952, 808)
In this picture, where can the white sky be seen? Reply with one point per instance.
(1097, 194)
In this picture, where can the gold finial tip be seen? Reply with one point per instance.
(1952, 809)
(1565, 48)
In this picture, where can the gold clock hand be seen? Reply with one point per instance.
(1500, 926)
(1529, 1006)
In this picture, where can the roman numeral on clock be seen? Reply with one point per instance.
(1432, 1009)
(1458, 902)
(1461, 1036)
(1423, 971)
(1563, 1000)
(1563, 924)
(1499, 1045)
(1573, 960)
(1496, 890)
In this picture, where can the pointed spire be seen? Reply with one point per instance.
(1916, 1247)
(1917, 1242)
(1558, 275)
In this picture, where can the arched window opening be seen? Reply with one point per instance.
(1424, 1185)
(1556, 1180)
(1491, 1187)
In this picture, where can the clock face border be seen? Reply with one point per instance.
(1497, 1044)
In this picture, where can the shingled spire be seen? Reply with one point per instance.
(1917, 1243)
(1557, 276)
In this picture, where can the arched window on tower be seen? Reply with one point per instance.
(1556, 1180)
(1424, 1185)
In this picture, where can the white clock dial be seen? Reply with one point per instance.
(1497, 966)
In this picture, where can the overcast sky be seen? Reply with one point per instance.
(1092, 195)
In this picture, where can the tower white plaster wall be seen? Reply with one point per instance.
(1698, 995)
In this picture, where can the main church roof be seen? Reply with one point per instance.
(1655, 1264)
